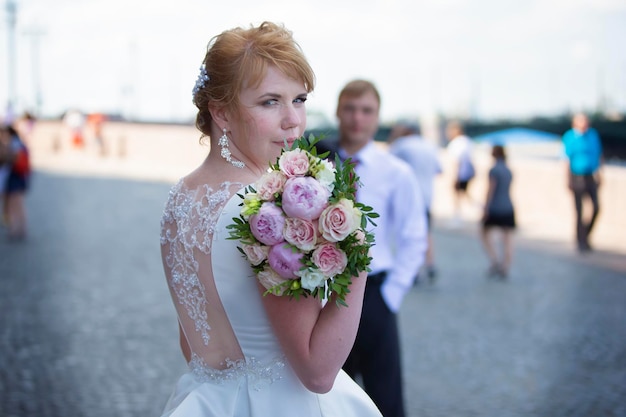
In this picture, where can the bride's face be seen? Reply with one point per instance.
(273, 111)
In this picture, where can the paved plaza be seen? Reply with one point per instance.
(88, 328)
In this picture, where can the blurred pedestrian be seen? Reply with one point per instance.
(6, 161)
(74, 121)
(406, 142)
(25, 126)
(95, 121)
(390, 187)
(583, 149)
(460, 149)
(17, 183)
(499, 215)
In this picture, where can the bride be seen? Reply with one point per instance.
(249, 354)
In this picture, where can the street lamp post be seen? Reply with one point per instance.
(35, 34)
(11, 9)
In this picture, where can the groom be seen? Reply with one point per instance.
(390, 187)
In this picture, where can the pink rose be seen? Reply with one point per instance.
(294, 163)
(359, 235)
(269, 278)
(284, 260)
(270, 184)
(338, 220)
(255, 253)
(304, 197)
(300, 233)
(267, 225)
(329, 259)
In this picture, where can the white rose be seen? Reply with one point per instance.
(325, 174)
(311, 278)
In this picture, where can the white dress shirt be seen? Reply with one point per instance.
(391, 189)
(423, 158)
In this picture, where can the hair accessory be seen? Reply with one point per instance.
(203, 77)
(225, 152)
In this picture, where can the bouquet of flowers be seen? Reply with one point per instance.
(300, 227)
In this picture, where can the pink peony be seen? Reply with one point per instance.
(301, 233)
(337, 221)
(284, 260)
(267, 225)
(304, 197)
(329, 259)
(294, 163)
(270, 184)
(269, 278)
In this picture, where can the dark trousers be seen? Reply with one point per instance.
(584, 186)
(376, 352)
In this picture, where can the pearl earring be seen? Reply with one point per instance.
(225, 152)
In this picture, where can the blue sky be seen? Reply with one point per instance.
(487, 58)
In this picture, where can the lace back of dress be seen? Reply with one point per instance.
(187, 229)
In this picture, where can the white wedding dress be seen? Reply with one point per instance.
(236, 367)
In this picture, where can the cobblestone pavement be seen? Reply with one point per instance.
(87, 327)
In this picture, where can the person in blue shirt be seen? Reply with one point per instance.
(583, 149)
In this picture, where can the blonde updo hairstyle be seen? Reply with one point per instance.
(240, 57)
